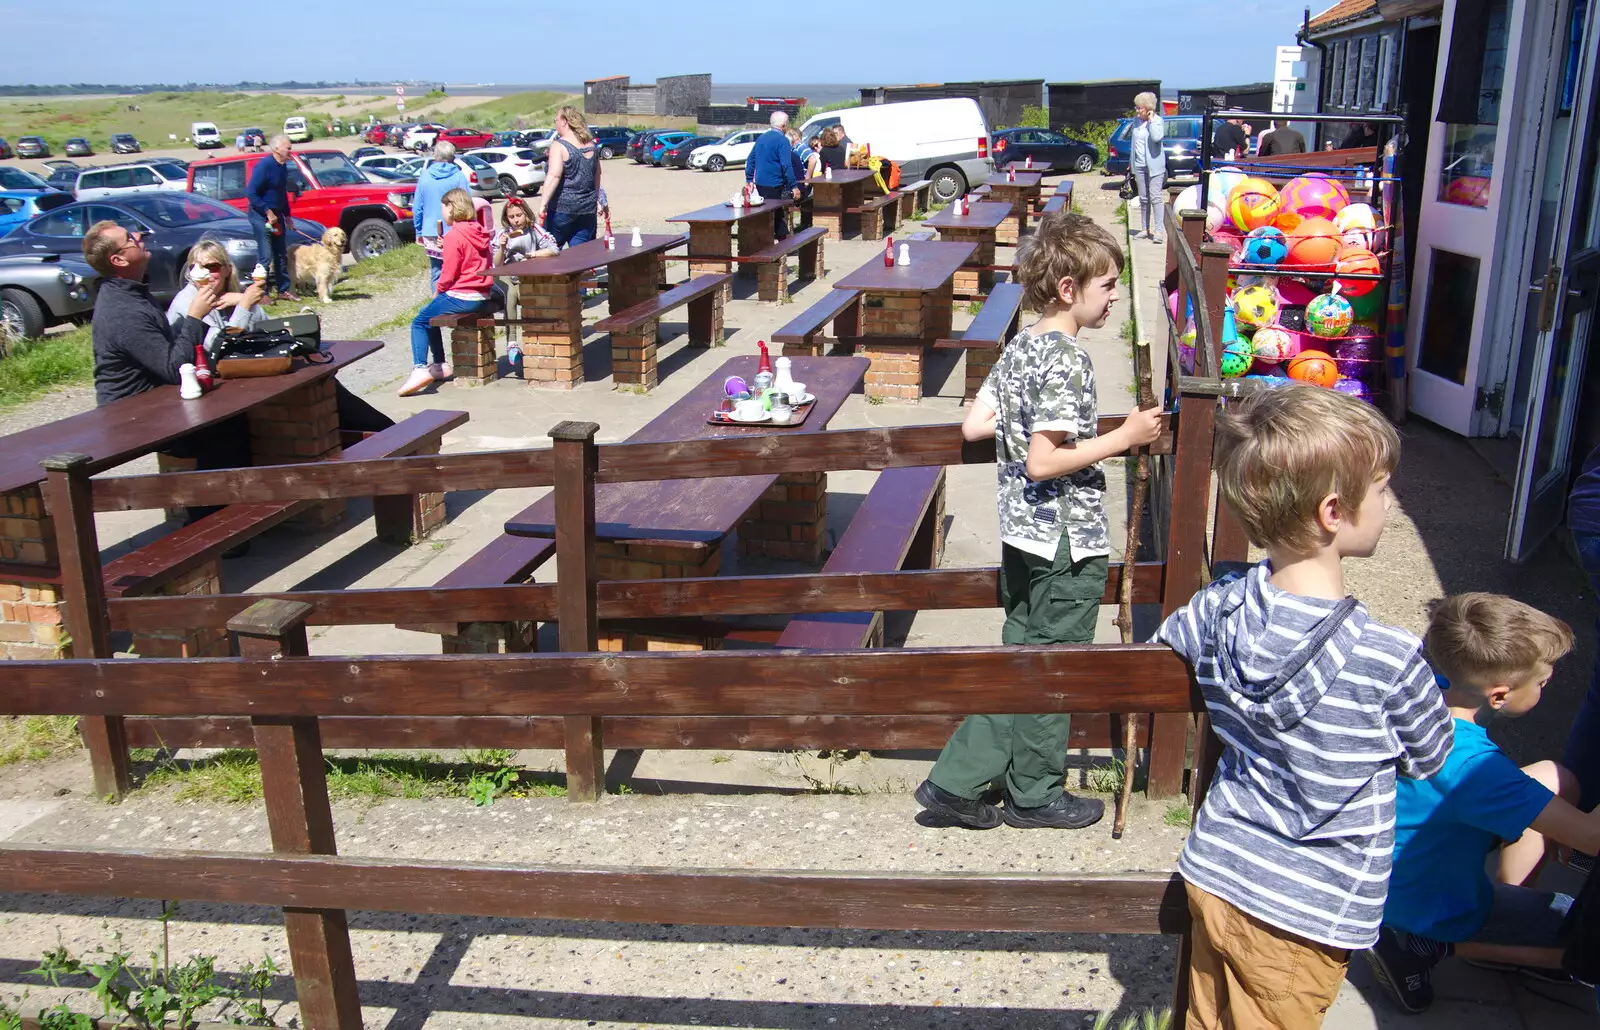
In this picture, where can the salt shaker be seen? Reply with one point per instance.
(638, 237)
(784, 380)
(188, 383)
(905, 254)
(827, 172)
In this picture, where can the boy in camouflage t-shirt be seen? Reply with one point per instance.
(1039, 405)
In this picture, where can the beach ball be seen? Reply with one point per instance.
(1244, 279)
(1471, 190)
(1236, 358)
(1356, 357)
(1255, 306)
(1362, 261)
(1315, 367)
(1265, 246)
(1357, 224)
(1314, 245)
(1223, 180)
(1329, 316)
(1252, 204)
(1310, 197)
(1354, 388)
(1368, 306)
(1274, 343)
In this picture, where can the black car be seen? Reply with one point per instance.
(639, 146)
(77, 146)
(5, 149)
(124, 143)
(172, 223)
(360, 152)
(1065, 153)
(677, 155)
(612, 139)
(17, 179)
(64, 178)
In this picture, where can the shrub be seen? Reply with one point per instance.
(1034, 117)
(1098, 133)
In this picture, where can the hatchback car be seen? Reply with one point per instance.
(664, 142)
(481, 175)
(124, 143)
(32, 146)
(17, 179)
(64, 179)
(611, 139)
(1180, 140)
(1065, 153)
(638, 147)
(5, 148)
(732, 149)
(77, 146)
(18, 206)
(517, 168)
(677, 155)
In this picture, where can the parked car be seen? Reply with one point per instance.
(395, 135)
(124, 143)
(174, 222)
(296, 129)
(945, 141)
(612, 139)
(1065, 153)
(420, 137)
(385, 175)
(663, 142)
(17, 206)
(677, 155)
(481, 175)
(358, 153)
(638, 146)
(465, 139)
(180, 162)
(324, 187)
(17, 179)
(381, 160)
(60, 162)
(32, 146)
(255, 137)
(111, 180)
(77, 146)
(377, 133)
(1180, 140)
(205, 135)
(38, 291)
(64, 179)
(5, 149)
(732, 149)
(517, 168)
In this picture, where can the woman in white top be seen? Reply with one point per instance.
(1148, 164)
(246, 304)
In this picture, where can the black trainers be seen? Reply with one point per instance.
(1067, 812)
(947, 809)
(1404, 974)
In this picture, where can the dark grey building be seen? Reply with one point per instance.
(1001, 101)
(1076, 104)
(682, 95)
(1254, 96)
(606, 96)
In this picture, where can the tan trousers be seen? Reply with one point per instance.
(1247, 975)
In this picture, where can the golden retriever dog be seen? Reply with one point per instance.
(319, 265)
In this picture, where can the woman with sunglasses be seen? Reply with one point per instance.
(210, 257)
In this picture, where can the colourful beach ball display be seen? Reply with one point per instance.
(1252, 204)
(1236, 358)
(1354, 388)
(1265, 246)
(1315, 367)
(1223, 180)
(1357, 224)
(1356, 357)
(1362, 261)
(1186, 352)
(1310, 196)
(1314, 245)
(1274, 343)
(1255, 306)
(1329, 316)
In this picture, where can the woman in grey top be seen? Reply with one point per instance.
(210, 256)
(569, 204)
(1148, 164)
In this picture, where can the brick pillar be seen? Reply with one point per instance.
(827, 201)
(972, 281)
(635, 279)
(811, 348)
(404, 519)
(616, 559)
(939, 311)
(706, 320)
(872, 224)
(552, 349)
(30, 605)
(472, 353)
(300, 426)
(770, 277)
(979, 361)
(710, 245)
(190, 643)
(633, 356)
(755, 234)
(896, 369)
(790, 520)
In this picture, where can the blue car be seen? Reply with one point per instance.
(1180, 139)
(17, 206)
(664, 142)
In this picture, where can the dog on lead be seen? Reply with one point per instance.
(319, 264)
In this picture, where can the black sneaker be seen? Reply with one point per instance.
(1067, 812)
(947, 809)
(1404, 974)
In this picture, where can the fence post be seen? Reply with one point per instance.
(298, 814)
(576, 609)
(69, 494)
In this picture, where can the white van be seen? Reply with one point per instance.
(946, 141)
(205, 135)
(295, 129)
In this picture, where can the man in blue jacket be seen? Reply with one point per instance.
(268, 194)
(439, 178)
(771, 167)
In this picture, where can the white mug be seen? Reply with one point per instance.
(751, 409)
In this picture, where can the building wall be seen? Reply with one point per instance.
(639, 100)
(1360, 74)
(682, 94)
(1001, 102)
(1294, 85)
(1254, 96)
(605, 96)
(1075, 104)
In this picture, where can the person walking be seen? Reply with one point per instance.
(268, 197)
(1148, 164)
(771, 167)
(569, 204)
(437, 179)
(1282, 138)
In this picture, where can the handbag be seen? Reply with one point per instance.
(264, 352)
(1129, 189)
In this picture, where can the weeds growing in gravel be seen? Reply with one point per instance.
(34, 367)
(1177, 814)
(30, 738)
(1150, 1019)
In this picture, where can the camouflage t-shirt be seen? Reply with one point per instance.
(1046, 382)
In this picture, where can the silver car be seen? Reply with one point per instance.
(38, 291)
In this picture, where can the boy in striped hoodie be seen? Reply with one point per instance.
(1318, 707)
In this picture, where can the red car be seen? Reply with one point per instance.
(324, 187)
(377, 134)
(465, 139)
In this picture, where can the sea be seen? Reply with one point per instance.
(817, 94)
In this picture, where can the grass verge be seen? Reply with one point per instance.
(32, 738)
(34, 367)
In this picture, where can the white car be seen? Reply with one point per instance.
(734, 149)
(517, 168)
(388, 162)
(421, 137)
(113, 180)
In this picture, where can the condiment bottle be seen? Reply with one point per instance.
(202, 367)
(638, 237)
(905, 254)
(888, 252)
(765, 363)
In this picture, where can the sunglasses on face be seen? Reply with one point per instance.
(215, 269)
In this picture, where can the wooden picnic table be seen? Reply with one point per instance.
(904, 309)
(832, 199)
(550, 292)
(1021, 195)
(676, 528)
(980, 227)
(712, 231)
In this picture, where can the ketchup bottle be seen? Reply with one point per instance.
(765, 364)
(202, 368)
(888, 252)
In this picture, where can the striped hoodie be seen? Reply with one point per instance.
(1298, 826)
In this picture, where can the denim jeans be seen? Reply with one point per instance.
(435, 266)
(272, 251)
(780, 218)
(569, 229)
(425, 337)
(1150, 198)
(1582, 753)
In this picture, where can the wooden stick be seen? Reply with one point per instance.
(1141, 488)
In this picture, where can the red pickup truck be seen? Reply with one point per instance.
(324, 187)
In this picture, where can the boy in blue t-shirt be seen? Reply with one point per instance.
(1493, 656)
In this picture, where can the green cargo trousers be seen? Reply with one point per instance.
(1046, 602)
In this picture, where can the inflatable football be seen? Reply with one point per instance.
(1265, 246)
(1255, 306)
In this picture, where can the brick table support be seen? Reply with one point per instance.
(979, 362)
(472, 353)
(790, 520)
(300, 426)
(615, 559)
(971, 280)
(634, 279)
(755, 234)
(633, 356)
(552, 341)
(896, 371)
(189, 643)
(30, 592)
(405, 519)
(491, 638)
(710, 251)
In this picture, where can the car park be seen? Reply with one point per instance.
(77, 146)
(515, 168)
(18, 206)
(324, 187)
(174, 223)
(677, 155)
(611, 139)
(32, 146)
(38, 291)
(1065, 153)
(111, 180)
(732, 149)
(12, 178)
(124, 143)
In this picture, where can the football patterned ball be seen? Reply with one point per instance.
(1357, 224)
(1265, 246)
(1329, 315)
(1255, 306)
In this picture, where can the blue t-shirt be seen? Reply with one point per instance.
(1445, 827)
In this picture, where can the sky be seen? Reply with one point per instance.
(1184, 43)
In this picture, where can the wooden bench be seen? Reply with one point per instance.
(900, 525)
(995, 323)
(770, 261)
(506, 559)
(914, 197)
(472, 350)
(1060, 200)
(925, 236)
(188, 561)
(879, 215)
(635, 330)
(799, 337)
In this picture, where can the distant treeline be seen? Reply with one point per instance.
(20, 90)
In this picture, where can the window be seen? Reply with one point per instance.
(1352, 71)
(1447, 321)
(205, 180)
(1336, 82)
(143, 176)
(102, 213)
(1368, 89)
(66, 222)
(231, 181)
(1384, 96)
(1469, 102)
(10, 205)
(118, 179)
